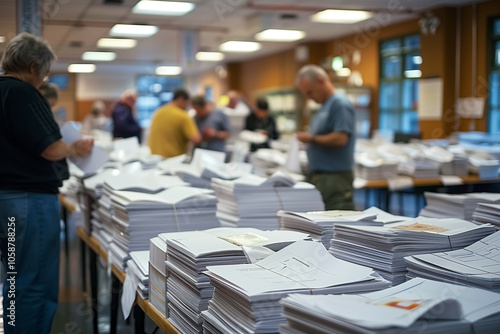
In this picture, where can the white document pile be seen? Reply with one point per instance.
(319, 224)
(136, 280)
(477, 265)
(138, 217)
(188, 288)
(206, 165)
(416, 306)
(384, 247)
(487, 214)
(158, 275)
(253, 201)
(246, 297)
(460, 206)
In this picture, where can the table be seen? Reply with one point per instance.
(381, 187)
(141, 308)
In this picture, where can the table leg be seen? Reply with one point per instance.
(139, 317)
(116, 286)
(83, 259)
(93, 288)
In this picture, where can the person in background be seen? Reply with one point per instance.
(96, 120)
(172, 129)
(32, 170)
(236, 110)
(213, 125)
(124, 123)
(330, 139)
(261, 121)
(51, 92)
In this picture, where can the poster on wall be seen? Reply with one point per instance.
(430, 99)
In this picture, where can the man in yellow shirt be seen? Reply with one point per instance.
(172, 128)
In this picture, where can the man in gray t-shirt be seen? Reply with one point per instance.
(330, 139)
(213, 125)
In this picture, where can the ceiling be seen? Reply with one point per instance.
(74, 26)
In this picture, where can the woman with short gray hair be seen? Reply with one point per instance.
(33, 169)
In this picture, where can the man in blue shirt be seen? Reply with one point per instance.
(330, 139)
(213, 125)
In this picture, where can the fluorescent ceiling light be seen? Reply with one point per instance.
(81, 68)
(209, 56)
(344, 72)
(171, 8)
(168, 70)
(2, 39)
(133, 30)
(413, 74)
(280, 35)
(98, 56)
(116, 43)
(239, 46)
(341, 16)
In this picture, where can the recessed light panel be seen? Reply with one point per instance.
(133, 30)
(169, 8)
(340, 16)
(116, 43)
(280, 35)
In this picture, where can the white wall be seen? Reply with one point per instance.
(103, 85)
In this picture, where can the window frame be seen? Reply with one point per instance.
(402, 52)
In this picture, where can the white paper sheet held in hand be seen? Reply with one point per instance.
(90, 164)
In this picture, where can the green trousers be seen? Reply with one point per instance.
(335, 188)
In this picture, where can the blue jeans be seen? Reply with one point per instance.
(29, 242)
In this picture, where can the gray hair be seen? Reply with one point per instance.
(128, 93)
(25, 49)
(49, 90)
(311, 73)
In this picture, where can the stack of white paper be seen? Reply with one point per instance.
(458, 166)
(420, 168)
(477, 265)
(484, 165)
(486, 213)
(188, 288)
(455, 205)
(138, 217)
(253, 201)
(384, 247)
(158, 275)
(371, 166)
(416, 306)
(246, 297)
(266, 161)
(319, 224)
(136, 280)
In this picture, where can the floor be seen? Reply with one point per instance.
(74, 314)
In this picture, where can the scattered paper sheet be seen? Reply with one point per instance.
(90, 164)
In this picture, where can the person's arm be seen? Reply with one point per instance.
(332, 139)
(59, 150)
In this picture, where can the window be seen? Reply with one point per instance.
(494, 93)
(399, 73)
(153, 92)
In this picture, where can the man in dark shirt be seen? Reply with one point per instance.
(262, 122)
(124, 123)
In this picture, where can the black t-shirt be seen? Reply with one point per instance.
(27, 128)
